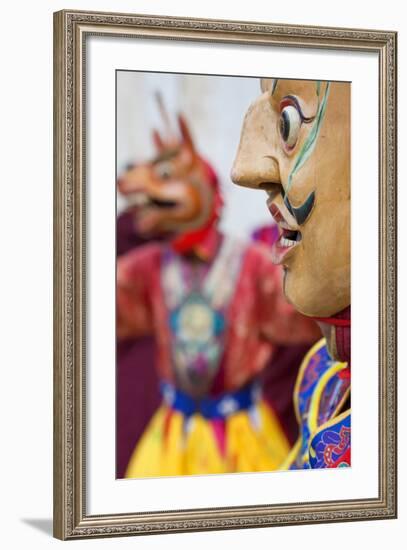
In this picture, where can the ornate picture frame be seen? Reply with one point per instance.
(71, 31)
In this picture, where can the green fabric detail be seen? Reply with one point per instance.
(311, 140)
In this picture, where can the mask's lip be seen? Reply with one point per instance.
(279, 217)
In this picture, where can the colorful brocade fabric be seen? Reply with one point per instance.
(322, 390)
(197, 298)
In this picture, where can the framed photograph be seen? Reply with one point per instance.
(223, 192)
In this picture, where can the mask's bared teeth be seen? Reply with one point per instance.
(286, 243)
(138, 199)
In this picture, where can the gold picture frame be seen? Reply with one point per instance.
(71, 28)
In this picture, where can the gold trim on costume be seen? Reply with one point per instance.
(317, 393)
(292, 455)
(305, 362)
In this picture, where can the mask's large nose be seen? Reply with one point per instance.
(256, 160)
(134, 180)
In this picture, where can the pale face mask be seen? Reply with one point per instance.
(295, 144)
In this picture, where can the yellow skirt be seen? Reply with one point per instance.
(243, 442)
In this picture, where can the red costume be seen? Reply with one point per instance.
(256, 314)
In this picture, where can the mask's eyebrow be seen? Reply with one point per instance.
(165, 155)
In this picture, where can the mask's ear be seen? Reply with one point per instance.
(158, 142)
(185, 133)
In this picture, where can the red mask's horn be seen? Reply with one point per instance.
(185, 132)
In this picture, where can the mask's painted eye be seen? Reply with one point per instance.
(290, 124)
(164, 170)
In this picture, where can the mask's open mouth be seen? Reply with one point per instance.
(142, 200)
(289, 234)
(162, 203)
(289, 237)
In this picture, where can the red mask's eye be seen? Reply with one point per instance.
(164, 170)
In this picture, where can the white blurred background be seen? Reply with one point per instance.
(214, 107)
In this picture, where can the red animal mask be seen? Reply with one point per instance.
(176, 193)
